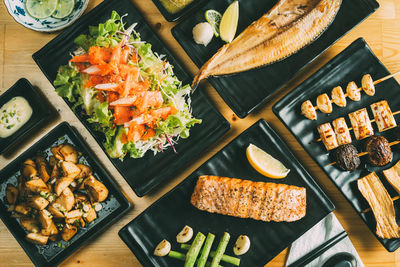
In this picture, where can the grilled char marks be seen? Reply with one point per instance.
(247, 199)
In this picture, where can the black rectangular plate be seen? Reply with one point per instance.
(146, 173)
(40, 111)
(245, 91)
(166, 217)
(113, 208)
(178, 15)
(350, 65)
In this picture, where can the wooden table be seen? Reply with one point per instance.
(17, 44)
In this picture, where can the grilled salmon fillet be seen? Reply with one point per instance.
(248, 199)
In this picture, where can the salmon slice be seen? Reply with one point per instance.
(248, 199)
(149, 99)
(125, 101)
(121, 115)
(289, 26)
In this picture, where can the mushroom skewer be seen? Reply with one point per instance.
(324, 104)
(366, 153)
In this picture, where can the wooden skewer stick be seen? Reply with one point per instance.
(375, 83)
(373, 120)
(366, 153)
(369, 209)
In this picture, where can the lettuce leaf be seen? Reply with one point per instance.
(68, 83)
(101, 114)
(116, 149)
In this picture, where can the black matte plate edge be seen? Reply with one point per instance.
(178, 15)
(325, 200)
(241, 113)
(225, 127)
(125, 204)
(360, 42)
(139, 190)
(24, 130)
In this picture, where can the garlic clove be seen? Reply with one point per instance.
(185, 235)
(162, 249)
(242, 245)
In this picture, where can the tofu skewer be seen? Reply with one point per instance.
(328, 136)
(383, 117)
(324, 104)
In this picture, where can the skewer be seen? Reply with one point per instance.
(373, 120)
(366, 153)
(369, 209)
(358, 89)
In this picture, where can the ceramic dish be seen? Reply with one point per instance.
(244, 92)
(40, 111)
(16, 8)
(349, 65)
(114, 207)
(177, 15)
(146, 173)
(166, 217)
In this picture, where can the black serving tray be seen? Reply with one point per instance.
(166, 217)
(40, 111)
(245, 91)
(350, 65)
(113, 208)
(146, 173)
(178, 15)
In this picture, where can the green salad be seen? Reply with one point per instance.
(127, 91)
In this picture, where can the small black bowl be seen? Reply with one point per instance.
(178, 15)
(40, 110)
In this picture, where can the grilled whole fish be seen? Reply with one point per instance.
(289, 26)
(248, 199)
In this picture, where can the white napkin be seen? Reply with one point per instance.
(320, 233)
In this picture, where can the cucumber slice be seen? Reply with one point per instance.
(64, 9)
(40, 9)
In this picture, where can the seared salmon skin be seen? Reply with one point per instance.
(248, 199)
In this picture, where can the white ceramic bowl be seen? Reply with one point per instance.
(16, 8)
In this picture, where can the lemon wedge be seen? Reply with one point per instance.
(264, 163)
(229, 22)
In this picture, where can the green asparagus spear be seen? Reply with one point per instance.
(206, 250)
(225, 258)
(182, 257)
(220, 249)
(194, 250)
(177, 255)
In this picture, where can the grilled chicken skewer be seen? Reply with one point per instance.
(324, 103)
(383, 117)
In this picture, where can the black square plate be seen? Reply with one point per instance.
(350, 65)
(166, 217)
(113, 208)
(40, 110)
(146, 173)
(183, 12)
(244, 92)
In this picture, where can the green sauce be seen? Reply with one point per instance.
(174, 6)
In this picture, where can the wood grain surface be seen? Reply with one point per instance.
(17, 44)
